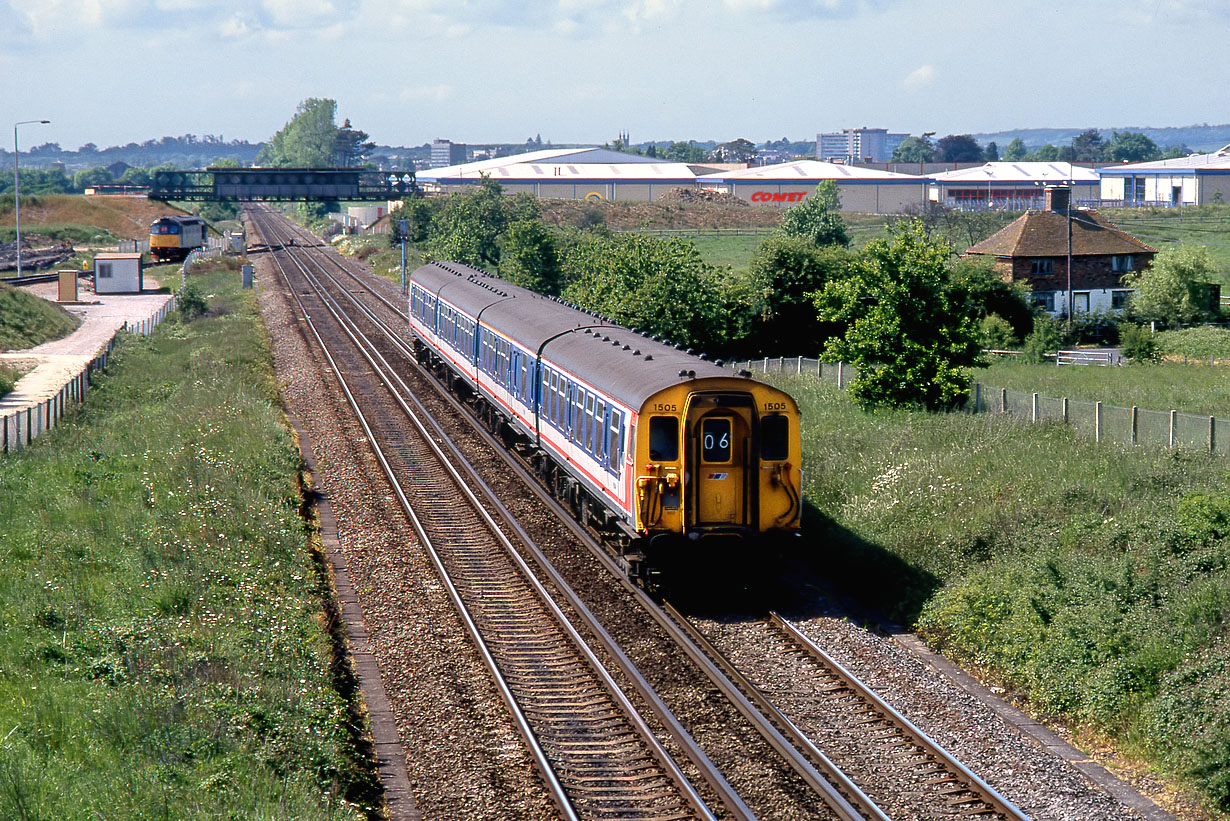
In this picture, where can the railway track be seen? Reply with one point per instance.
(796, 752)
(596, 755)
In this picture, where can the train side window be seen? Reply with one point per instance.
(774, 438)
(600, 430)
(614, 451)
(578, 414)
(663, 438)
(589, 443)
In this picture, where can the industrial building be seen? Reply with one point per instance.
(1198, 179)
(571, 173)
(862, 189)
(1012, 186)
(854, 145)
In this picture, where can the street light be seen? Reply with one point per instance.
(17, 186)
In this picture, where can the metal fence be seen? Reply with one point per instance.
(1103, 423)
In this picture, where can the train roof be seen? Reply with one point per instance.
(627, 365)
(178, 218)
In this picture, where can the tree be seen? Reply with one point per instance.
(684, 152)
(958, 148)
(908, 334)
(914, 149)
(817, 218)
(1015, 151)
(1046, 153)
(783, 275)
(739, 150)
(307, 141)
(350, 146)
(1131, 146)
(471, 223)
(658, 286)
(992, 152)
(529, 257)
(1174, 288)
(90, 178)
(979, 283)
(1087, 146)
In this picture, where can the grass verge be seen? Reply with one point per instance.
(164, 649)
(1094, 580)
(1162, 386)
(27, 320)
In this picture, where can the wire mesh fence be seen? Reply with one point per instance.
(1104, 423)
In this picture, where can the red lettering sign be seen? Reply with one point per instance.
(778, 196)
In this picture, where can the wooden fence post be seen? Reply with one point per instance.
(1033, 407)
(800, 368)
(1174, 424)
(1003, 400)
(1097, 421)
(1135, 423)
(840, 375)
(1212, 434)
(1063, 408)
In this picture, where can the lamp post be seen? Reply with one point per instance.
(17, 187)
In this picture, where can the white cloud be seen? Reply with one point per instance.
(920, 78)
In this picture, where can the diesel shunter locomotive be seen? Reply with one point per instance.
(173, 238)
(648, 444)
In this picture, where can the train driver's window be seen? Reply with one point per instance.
(663, 438)
(774, 438)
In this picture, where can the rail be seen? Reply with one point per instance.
(573, 784)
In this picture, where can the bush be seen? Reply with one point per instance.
(1196, 343)
(1043, 339)
(191, 302)
(1138, 343)
(997, 334)
(8, 379)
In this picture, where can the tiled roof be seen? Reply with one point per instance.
(1045, 234)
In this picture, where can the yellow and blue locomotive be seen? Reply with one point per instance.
(173, 238)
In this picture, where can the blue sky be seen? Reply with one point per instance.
(406, 71)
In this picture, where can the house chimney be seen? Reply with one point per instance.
(1057, 198)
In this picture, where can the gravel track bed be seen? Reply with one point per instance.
(465, 759)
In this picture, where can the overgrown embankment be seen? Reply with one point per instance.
(162, 641)
(1093, 580)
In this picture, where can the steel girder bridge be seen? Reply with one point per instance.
(282, 184)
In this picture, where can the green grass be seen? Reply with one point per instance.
(1093, 579)
(161, 642)
(78, 234)
(1191, 388)
(27, 320)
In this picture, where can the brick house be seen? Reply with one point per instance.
(1034, 249)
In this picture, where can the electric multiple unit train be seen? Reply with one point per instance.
(647, 443)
